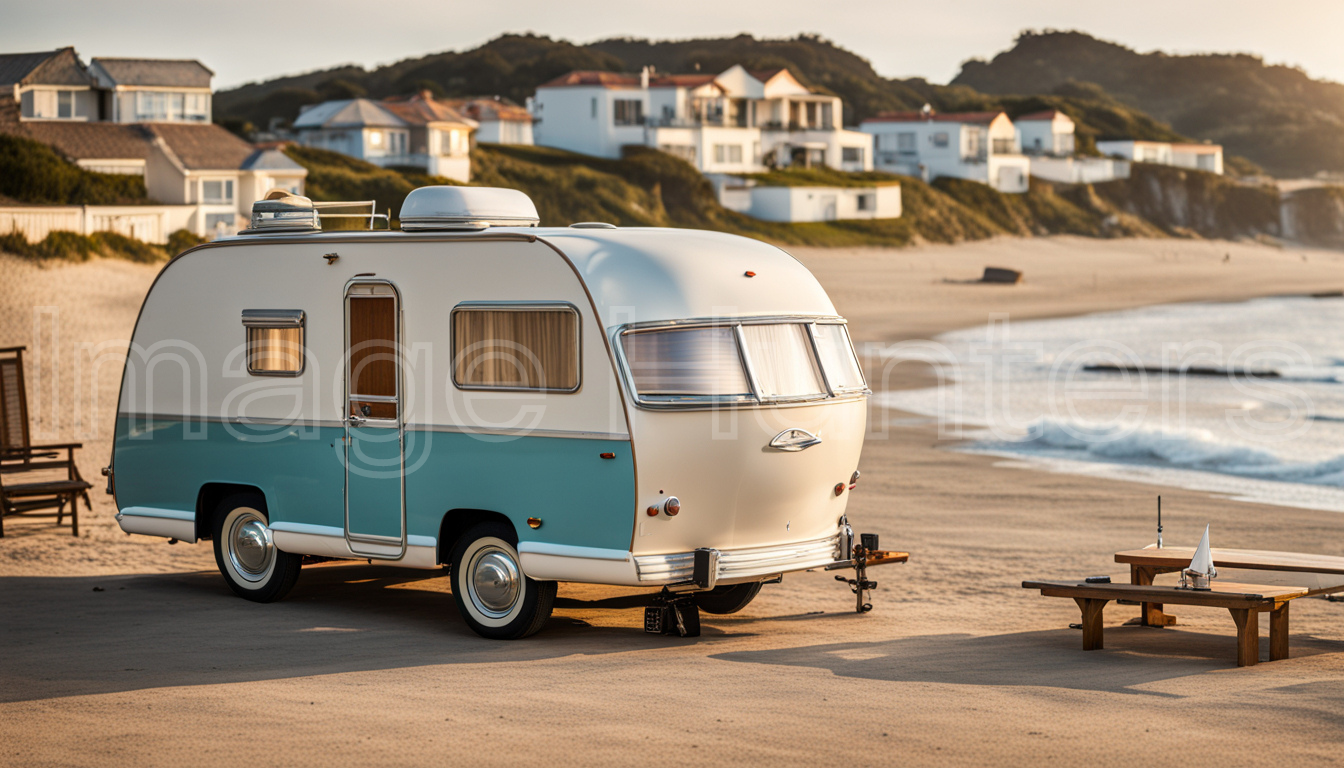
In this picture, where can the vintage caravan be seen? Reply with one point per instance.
(526, 405)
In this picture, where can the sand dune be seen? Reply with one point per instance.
(957, 664)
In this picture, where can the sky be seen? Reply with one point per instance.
(246, 40)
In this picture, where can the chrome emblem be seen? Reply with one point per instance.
(794, 440)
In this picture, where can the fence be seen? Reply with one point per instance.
(146, 223)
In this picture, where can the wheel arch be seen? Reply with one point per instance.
(456, 522)
(209, 497)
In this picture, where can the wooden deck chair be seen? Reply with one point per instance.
(43, 488)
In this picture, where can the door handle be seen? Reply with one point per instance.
(353, 420)
(794, 440)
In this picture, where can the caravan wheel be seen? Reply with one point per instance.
(246, 555)
(493, 594)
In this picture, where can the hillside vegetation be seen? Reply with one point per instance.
(651, 188)
(1276, 116)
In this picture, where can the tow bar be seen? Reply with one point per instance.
(864, 555)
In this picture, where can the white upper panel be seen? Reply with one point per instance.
(642, 275)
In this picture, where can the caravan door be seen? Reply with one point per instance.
(375, 507)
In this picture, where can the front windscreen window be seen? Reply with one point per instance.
(837, 358)
(781, 357)
(690, 362)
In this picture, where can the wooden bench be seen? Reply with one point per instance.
(1146, 563)
(1245, 601)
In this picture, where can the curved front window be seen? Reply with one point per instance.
(753, 360)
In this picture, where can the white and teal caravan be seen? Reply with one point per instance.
(639, 407)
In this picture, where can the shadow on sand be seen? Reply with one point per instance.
(90, 635)
(1134, 656)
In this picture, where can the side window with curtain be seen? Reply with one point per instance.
(531, 347)
(274, 341)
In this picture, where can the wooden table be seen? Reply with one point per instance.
(1245, 601)
(1146, 563)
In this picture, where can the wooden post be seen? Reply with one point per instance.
(1248, 635)
(1092, 628)
(1278, 632)
(1150, 614)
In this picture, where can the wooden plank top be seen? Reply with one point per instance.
(1222, 594)
(1252, 559)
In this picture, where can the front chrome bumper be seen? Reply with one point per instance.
(742, 564)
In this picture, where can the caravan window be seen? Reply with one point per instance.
(756, 360)
(691, 362)
(274, 341)
(837, 358)
(516, 347)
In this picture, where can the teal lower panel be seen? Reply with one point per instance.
(581, 498)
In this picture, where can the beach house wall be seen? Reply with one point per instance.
(793, 204)
(498, 121)
(1048, 133)
(977, 146)
(737, 121)
(153, 90)
(1200, 157)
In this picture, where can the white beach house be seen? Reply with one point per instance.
(798, 203)
(153, 90)
(498, 121)
(977, 146)
(1048, 139)
(417, 131)
(1200, 157)
(738, 121)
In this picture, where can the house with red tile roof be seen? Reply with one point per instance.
(498, 120)
(977, 146)
(1198, 157)
(734, 122)
(1047, 133)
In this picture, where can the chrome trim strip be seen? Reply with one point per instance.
(571, 434)
(167, 514)
(740, 563)
(566, 550)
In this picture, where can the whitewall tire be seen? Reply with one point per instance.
(246, 553)
(494, 596)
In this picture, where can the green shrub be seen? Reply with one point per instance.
(181, 240)
(32, 172)
(71, 246)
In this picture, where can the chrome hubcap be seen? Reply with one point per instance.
(495, 581)
(250, 546)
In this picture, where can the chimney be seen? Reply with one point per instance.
(644, 78)
(426, 95)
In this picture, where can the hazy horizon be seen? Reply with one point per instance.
(265, 41)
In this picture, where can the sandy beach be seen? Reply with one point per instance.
(119, 649)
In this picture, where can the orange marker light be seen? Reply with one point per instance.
(839, 488)
(607, 455)
(534, 522)
(653, 511)
(751, 274)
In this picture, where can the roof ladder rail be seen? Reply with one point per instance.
(372, 215)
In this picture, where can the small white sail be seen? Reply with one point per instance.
(1200, 571)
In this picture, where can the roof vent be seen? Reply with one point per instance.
(466, 208)
(282, 211)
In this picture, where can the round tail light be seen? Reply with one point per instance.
(671, 506)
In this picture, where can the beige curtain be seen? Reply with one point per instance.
(701, 362)
(516, 349)
(275, 350)
(781, 358)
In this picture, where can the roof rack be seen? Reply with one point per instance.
(372, 215)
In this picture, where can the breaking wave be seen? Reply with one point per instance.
(1194, 449)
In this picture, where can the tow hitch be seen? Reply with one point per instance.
(864, 555)
(674, 611)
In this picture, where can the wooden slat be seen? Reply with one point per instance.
(1179, 557)
(1223, 594)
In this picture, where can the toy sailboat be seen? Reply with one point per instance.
(1200, 571)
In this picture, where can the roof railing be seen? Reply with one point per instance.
(372, 215)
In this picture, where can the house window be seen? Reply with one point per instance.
(217, 191)
(727, 153)
(1004, 147)
(939, 139)
(594, 107)
(65, 103)
(274, 341)
(214, 222)
(376, 138)
(975, 142)
(197, 107)
(516, 347)
(905, 143)
(158, 106)
(628, 112)
(684, 151)
(851, 154)
(863, 202)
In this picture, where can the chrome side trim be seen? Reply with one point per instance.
(572, 434)
(567, 550)
(741, 563)
(153, 521)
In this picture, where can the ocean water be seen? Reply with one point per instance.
(1105, 395)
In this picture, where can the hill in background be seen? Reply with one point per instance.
(1276, 116)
